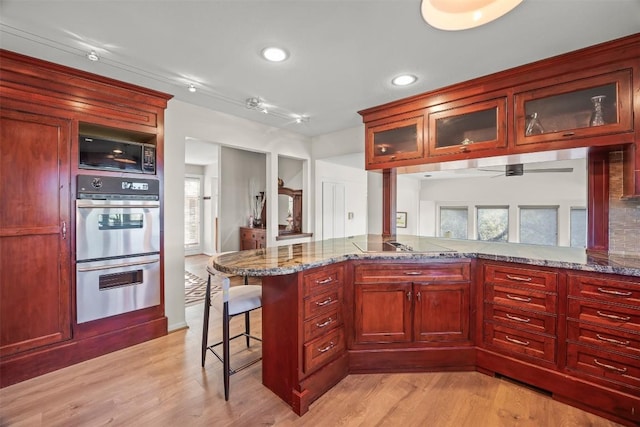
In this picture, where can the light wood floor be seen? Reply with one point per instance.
(197, 264)
(161, 383)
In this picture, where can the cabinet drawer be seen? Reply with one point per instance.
(524, 277)
(520, 298)
(527, 320)
(322, 280)
(605, 289)
(604, 366)
(252, 234)
(518, 341)
(605, 314)
(323, 349)
(321, 303)
(604, 338)
(320, 325)
(412, 272)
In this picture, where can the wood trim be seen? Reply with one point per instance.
(598, 201)
(389, 196)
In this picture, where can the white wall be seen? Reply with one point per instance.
(184, 121)
(211, 201)
(406, 201)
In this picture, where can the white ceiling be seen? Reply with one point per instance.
(343, 54)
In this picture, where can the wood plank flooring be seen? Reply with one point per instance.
(161, 383)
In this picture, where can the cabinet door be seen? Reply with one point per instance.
(457, 130)
(35, 294)
(399, 138)
(576, 109)
(441, 312)
(383, 312)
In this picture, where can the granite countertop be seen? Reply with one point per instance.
(288, 259)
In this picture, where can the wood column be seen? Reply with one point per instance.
(389, 192)
(598, 201)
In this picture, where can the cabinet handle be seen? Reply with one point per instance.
(393, 157)
(613, 316)
(327, 348)
(325, 302)
(418, 296)
(515, 341)
(611, 340)
(64, 230)
(611, 367)
(614, 292)
(325, 281)
(412, 273)
(326, 323)
(521, 299)
(519, 279)
(518, 319)
(568, 134)
(409, 296)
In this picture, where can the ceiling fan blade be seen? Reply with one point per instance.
(548, 170)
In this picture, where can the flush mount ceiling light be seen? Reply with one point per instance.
(93, 56)
(274, 54)
(192, 88)
(464, 14)
(404, 80)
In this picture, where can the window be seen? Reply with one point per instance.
(192, 210)
(493, 223)
(453, 222)
(578, 227)
(539, 225)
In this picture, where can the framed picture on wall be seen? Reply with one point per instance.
(401, 219)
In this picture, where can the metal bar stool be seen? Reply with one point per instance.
(232, 301)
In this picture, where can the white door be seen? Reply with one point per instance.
(333, 210)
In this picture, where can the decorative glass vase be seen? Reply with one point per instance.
(534, 127)
(597, 119)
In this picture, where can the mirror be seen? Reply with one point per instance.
(289, 211)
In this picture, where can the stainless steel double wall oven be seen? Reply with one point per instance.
(117, 246)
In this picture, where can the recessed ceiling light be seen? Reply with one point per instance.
(274, 54)
(404, 80)
(93, 56)
(192, 88)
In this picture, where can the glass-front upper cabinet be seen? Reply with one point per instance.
(399, 138)
(457, 129)
(582, 108)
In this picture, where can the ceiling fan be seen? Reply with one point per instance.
(518, 169)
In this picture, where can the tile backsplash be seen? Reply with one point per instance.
(624, 215)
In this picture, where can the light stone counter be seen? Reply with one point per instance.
(297, 257)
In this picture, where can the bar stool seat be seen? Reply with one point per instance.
(232, 301)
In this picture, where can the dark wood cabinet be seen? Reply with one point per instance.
(469, 126)
(35, 231)
(253, 238)
(419, 303)
(395, 139)
(43, 109)
(304, 347)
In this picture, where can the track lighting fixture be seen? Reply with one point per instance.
(93, 56)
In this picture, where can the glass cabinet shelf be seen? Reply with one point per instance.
(463, 129)
(586, 107)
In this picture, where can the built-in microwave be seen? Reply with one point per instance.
(125, 156)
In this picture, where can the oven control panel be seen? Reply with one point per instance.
(117, 188)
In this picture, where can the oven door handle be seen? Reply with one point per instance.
(109, 267)
(109, 206)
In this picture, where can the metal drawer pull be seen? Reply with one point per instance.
(323, 324)
(513, 340)
(568, 134)
(519, 279)
(518, 319)
(522, 299)
(325, 281)
(325, 302)
(613, 368)
(612, 292)
(613, 316)
(327, 348)
(409, 296)
(412, 273)
(611, 340)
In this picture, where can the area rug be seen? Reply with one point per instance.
(195, 289)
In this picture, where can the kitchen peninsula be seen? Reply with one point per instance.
(554, 318)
